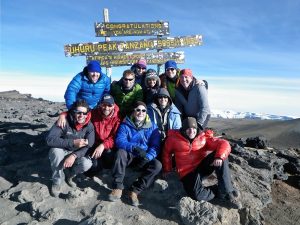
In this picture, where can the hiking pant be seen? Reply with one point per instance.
(106, 161)
(57, 156)
(192, 182)
(149, 171)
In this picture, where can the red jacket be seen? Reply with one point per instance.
(188, 155)
(105, 127)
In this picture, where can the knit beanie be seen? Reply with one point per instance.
(189, 122)
(142, 63)
(186, 72)
(170, 64)
(94, 66)
(151, 74)
(137, 103)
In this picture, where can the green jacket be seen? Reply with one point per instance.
(125, 100)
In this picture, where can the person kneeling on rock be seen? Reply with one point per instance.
(197, 155)
(69, 146)
(137, 141)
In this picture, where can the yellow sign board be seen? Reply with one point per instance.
(97, 48)
(127, 59)
(132, 29)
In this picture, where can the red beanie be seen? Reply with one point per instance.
(186, 72)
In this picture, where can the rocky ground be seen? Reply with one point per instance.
(268, 179)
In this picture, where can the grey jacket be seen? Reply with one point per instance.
(63, 137)
(196, 103)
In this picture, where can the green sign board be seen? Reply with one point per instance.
(127, 59)
(132, 29)
(97, 48)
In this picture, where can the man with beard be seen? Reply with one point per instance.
(138, 141)
(69, 146)
(126, 92)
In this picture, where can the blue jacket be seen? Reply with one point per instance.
(81, 88)
(171, 120)
(146, 137)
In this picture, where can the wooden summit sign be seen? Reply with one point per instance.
(97, 48)
(132, 29)
(127, 59)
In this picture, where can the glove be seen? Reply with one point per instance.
(142, 163)
(139, 152)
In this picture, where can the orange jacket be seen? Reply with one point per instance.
(188, 155)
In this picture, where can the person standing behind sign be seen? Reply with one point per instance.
(139, 69)
(90, 84)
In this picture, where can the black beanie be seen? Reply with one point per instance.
(137, 103)
(189, 122)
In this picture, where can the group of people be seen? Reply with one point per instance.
(153, 122)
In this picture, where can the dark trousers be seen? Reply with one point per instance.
(192, 182)
(149, 171)
(106, 161)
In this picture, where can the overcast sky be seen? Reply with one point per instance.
(250, 54)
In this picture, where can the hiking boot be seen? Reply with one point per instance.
(133, 198)
(55, 190)
(115, 195)
(234, 202)
(69, 179)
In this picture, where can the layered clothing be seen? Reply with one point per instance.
(193, 102)
(165, 119)
(105, 126)
(170, 83)
(146, 137)
(82, 88)
(189, 154)
(64, 137)
(126, 98)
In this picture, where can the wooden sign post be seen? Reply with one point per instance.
(121, 53)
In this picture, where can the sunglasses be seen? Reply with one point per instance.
(128, 79)
(170, 69)
(77, 112)
(139, 110)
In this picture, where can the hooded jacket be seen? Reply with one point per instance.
(82, 88)
(64, 137)
(170, 119)
(146, 137)
(188, 155)
(105, 127)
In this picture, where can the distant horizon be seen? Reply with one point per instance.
(53, 89)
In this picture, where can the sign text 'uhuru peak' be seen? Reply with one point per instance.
(96, 48)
